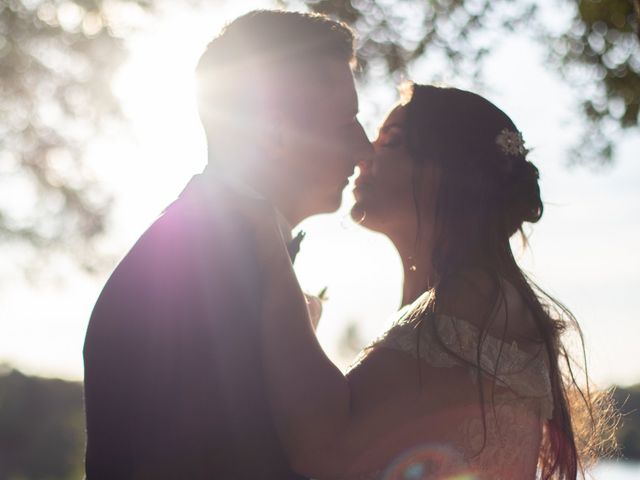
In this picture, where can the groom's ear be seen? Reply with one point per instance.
(272, 136)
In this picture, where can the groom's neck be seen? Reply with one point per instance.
(285, 198)
(290, 201)
(284, 191)
(291, 208)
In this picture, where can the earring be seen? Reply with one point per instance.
(361, 219)
(412, 266)
(348, 221)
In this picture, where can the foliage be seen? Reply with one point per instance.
(598, 55)
(41, 428)
(57, 61)
(58, 58)
(628, 402)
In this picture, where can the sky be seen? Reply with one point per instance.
(584, 251)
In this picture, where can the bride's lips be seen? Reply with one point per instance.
(361, 185)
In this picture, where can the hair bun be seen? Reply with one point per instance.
(523, 202)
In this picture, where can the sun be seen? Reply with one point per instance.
(163, 143)
(156, 90)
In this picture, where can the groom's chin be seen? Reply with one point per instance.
(329, 202)
(333, 203)
(325, 205)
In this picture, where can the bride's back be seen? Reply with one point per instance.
(466, 388)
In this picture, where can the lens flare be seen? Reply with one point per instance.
(430, 462)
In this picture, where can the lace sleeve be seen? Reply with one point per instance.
(447, 341)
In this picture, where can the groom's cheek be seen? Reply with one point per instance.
(322, 185)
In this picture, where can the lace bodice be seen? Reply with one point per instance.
(513, 418)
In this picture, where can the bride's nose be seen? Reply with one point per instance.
(364, 162)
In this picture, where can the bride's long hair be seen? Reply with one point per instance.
(486, 192)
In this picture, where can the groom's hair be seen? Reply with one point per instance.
(262, 56)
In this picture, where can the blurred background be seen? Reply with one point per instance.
(99, 132)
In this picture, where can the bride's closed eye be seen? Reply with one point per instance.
(391, 142)
(391, 137)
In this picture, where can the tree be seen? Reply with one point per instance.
(57, 60)
(599, 55)
(58, 57)
(627, 401)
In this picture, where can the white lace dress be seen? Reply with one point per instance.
(513, 419)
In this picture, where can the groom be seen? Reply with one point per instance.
(174, 387)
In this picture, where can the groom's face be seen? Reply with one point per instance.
(322, 138)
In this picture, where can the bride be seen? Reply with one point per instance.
(472, 378)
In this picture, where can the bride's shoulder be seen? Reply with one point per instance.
(382, 372)
(489, 301)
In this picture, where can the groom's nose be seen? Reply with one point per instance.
(361, 144)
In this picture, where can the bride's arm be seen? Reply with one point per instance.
(333, 426)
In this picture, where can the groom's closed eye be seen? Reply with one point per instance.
(352, 122)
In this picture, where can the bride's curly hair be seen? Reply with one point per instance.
(485, 195)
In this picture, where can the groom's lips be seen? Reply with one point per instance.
(360, 182)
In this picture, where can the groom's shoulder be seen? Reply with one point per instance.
(195, 230)
(202, 212)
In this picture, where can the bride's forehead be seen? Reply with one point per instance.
(397, 115)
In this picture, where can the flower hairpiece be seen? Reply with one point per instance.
(511, 142)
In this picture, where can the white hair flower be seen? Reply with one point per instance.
(511, 142)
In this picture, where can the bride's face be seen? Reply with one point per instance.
(384, 189)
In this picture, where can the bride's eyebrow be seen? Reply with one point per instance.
(386, 128)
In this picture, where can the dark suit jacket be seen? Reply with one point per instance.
(174, 387)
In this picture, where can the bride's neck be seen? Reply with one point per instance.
(419, 275)
(418, 278)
